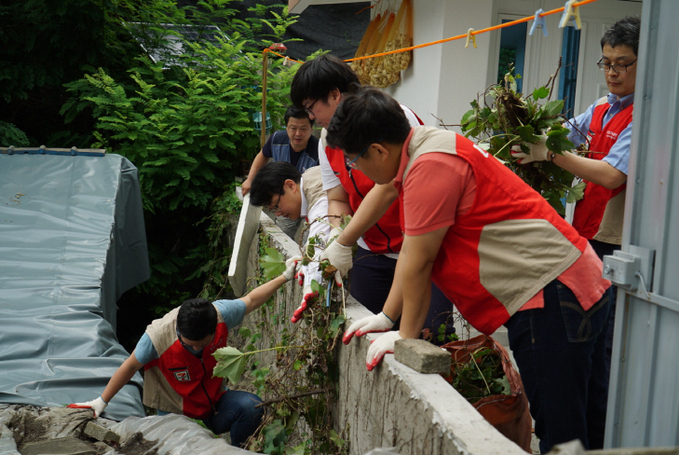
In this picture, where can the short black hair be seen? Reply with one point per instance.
(316, 78)
(366, 116)
(196, 319)
(624, 32)
(294, 112)
(269, 181)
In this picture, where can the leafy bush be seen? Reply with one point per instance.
(187, 124)
(10, 135)
(507, 119)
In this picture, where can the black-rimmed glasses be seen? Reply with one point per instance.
(311, 106)
(606, 67)
(275, 207)
(352, 164)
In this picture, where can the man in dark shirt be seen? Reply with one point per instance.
(295, 145)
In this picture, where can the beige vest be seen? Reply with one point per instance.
(313, 186)
(158, 394)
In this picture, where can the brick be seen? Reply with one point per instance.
(100, 433)
(422, 356)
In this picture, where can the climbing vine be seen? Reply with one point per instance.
(295, 370)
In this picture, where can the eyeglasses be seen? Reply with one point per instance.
(275, 207)
(606, 67)
(311, 106)
(352, 164)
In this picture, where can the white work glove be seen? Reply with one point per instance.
(97, 406)
(381, 346)
(340, 256)
(376, 323)
(536, 152)
(291, 267)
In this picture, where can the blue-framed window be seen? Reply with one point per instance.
(569, 69)
(512, 51)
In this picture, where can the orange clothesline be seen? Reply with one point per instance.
(471, 32)
(445, 40)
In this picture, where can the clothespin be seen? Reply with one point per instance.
(470, 36)
(571, 12)
(539, 21)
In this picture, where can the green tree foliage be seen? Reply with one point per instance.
(186, 122)
(46, 43)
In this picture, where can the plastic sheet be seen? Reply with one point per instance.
(176, 434)
(71, 242)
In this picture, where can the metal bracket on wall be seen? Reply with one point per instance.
(628, 269)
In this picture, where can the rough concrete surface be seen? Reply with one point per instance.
(69, 445)
(395, 406)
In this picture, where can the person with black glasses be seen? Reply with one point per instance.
(498, 249)
(318, 87)
(607, 127)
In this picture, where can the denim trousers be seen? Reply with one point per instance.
(561, 356)
(236, 413)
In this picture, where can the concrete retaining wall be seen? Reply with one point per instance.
(392, 406)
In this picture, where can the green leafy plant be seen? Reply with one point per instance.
(481, 376)
(187, 125)
(10, 135)
(294, 371)
(502, 118)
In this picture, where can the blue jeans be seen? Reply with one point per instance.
(561, 355)
(236, 413)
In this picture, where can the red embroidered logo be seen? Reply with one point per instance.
(182, 376)
(611, 135)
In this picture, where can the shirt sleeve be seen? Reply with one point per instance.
(579, 126)
(430, 202)
(145, 352)
(233, 311)
(618, 155)
(266, 149)
(330, 180)
(410, 115)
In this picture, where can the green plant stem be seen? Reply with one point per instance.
(275, 348)
(297, 395)
(480, 372)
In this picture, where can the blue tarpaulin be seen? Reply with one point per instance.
(71, 242)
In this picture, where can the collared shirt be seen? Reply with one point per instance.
(618, 156)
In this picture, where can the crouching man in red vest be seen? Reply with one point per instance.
(497, 249)
(176, 354)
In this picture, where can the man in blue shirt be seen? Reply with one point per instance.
(176, 352)
(605, 128)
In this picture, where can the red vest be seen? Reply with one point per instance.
(385, 236)
(506, 248)
(191, 377)
(589, 211)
